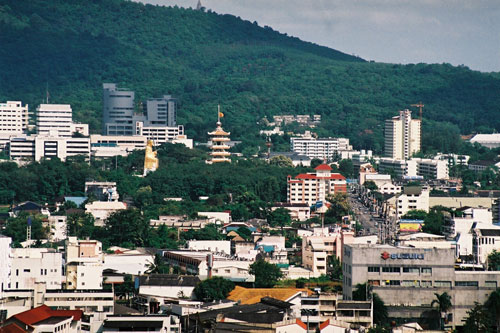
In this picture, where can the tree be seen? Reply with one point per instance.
(16, 228)
(478, 320)
(434, 222)
(127, 228)
(346, 168)
(443, 302)
(338, 209)
(281, 161)
(363, 293)
(158, 266)
(279, 218)
(266, 274)
(415, 214)
(80, 225)
(370, 185)
(494, 261)
(213, 289)
(245, 233)
(315, 162)
(127, 287)
(334, 268)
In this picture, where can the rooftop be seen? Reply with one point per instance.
(254, 295)
(170, 280)
(43, 312)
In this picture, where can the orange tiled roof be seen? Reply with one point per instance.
(253, 295)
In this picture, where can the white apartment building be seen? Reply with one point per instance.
(13, 117)
(84, 264)
(32, 265)
(159, 134)
(412, 198)
(36, 147)
(5, 262)
(402, 136)
(432, 169)
(309, 188)
(389, 188)
(322, 148)
(486, 240)
(54, 120)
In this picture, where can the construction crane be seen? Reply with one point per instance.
(420, 106)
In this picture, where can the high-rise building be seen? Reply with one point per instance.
(402, 136)
(161, 111)
(13, 117)
(118, 110)
(54, 120)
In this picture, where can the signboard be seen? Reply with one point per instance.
(413, 256)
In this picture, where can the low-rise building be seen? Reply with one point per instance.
(219, 246)
(124, 261)
(102, 191)
(298, 211)
(84, 264)
(412, 198)
(45, 319)
(319, 148)
(138, 323)
(57, 225)
(32, 265)
(206, 264)
(36, 147)
(5, 261)
(309, 188)
(487, 140)
(155, 289)
(410, 276)
(101, 210)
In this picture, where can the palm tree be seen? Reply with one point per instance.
(157, 266)
(443, 303)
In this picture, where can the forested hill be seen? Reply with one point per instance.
(204, 59)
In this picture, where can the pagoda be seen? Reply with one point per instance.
(219, 146)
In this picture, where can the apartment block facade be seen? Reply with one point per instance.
(402, 136)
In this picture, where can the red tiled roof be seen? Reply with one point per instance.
(323, 167)
(12, 328)
(310, 176)
(301, 324)
(43, 312)
(324, 324)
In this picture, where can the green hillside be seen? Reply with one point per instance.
(205, 59)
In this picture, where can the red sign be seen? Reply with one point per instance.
(385, 255)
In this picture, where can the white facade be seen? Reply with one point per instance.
(163, 323)
(101, 210)
(84, 264)
(412, 200)
(36, 147)
(159, 134)
(378, 179)
(5, 262)
(402, 136)
(105, 146)
(308, 188)
(389, 188)
(54, 120)
(13, 117)
(82, 129)
(210, 245)
(217, 217)
(32, 265)
(57, 227)
(432, 169)
(325, 148)
(487, 140)
(486, 240)
(130, 262)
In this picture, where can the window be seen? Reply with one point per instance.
(445, 284)
(414, 270)
(426, 284)
(426, 270)
(373, 269)
(82, 274)
(26, 270)
(227, 270)
(391, 269)
(490, 284)
(374, 282)
(410, 283)
(391, 283)
(17, 272)
(466, 283)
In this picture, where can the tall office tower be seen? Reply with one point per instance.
(54, 120)
(13, 117)
(162, 111)
(402, 136)
(118, 110)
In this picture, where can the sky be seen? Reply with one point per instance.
(459, 32)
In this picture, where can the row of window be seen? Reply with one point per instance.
(387, 269)
(427, 284)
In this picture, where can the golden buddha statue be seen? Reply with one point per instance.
(150, 160)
